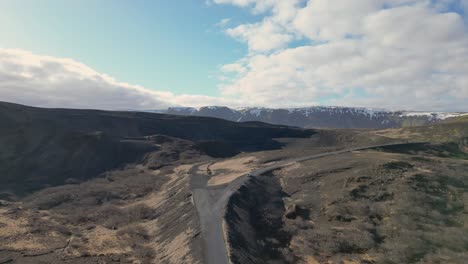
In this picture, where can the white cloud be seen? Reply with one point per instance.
(233, 68)
(223, 22)
(264, 36)
(258, 5)
(394, 53)
(47, 81)
(400, 54)
(333, 19)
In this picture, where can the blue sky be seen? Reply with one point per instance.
(166, 45)
(151, 54)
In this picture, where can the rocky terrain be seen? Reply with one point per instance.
(400, 204)
(47, 147)
(88, 186)
(319, 116)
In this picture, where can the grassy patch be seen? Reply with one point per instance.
(443, 150)
(443, 193)
(397, 165)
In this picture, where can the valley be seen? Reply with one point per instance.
(87, 186)
(234, 132)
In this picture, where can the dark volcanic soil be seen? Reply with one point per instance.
(48, 147)
(255, 225)
(88, 186)
(141, 213)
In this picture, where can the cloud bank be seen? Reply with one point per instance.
(392, 53)
(397, 54)
(46, 81)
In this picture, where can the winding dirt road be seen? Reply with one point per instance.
(211, 202)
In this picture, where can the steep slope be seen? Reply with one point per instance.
(141, 213)
(47, 147)
(88, 186)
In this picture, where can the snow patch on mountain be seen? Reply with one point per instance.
(320, 116)
(433, 115)
(256, 111)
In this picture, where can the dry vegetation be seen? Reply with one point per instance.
(131, 215)
(374, 207)
(403, 204)
(228, 170)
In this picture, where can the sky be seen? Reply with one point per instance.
(144, 54)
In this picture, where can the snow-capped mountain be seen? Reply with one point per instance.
(318, 116)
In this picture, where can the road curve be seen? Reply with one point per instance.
(211, 202)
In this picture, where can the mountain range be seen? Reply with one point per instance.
(319, 116)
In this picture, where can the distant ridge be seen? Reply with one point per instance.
(319, 116)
